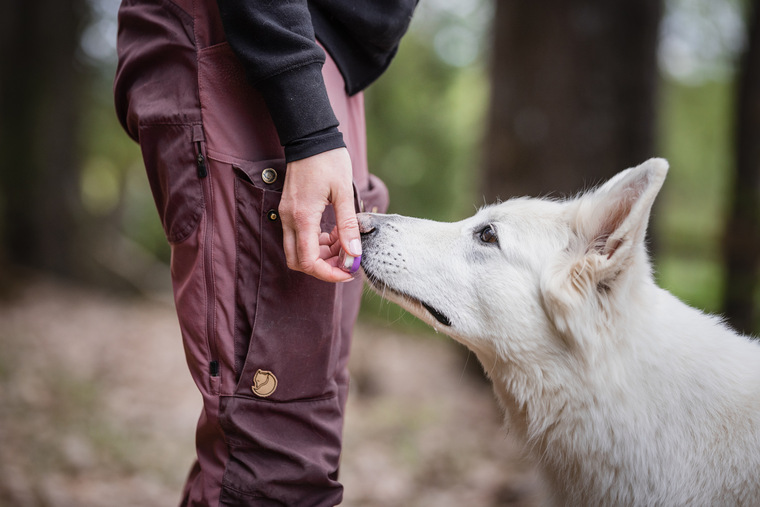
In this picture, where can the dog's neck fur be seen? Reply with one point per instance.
(608, 445)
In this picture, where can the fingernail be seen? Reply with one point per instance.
(355, 247)
(349, 263)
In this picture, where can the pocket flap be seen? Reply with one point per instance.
(264, 174)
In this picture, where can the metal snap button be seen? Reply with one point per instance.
(272, 215)
(269, 175)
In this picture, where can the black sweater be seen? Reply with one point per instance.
(275, 39)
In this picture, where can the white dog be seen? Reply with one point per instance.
(623, 394)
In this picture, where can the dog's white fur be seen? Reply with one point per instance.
(623, 394)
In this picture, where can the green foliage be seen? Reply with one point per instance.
(114, 188)
(423, 126)
(695, 136)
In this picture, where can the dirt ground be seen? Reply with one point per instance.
(97, 409)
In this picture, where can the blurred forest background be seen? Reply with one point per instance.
(486, 99)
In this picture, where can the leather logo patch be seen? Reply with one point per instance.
(264, 383)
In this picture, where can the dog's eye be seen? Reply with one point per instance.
(488, 235)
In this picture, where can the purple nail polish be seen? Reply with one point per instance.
(349, 263)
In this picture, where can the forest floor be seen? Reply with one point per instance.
(97, 409)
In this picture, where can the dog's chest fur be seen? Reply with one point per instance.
(652, 418)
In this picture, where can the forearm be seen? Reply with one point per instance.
(276, 44)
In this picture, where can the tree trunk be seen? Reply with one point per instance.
(40, 85)
(742, 233)
(573, 94)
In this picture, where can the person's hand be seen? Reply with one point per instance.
(310, 185)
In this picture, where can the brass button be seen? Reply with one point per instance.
(269, 175)
(272, 215)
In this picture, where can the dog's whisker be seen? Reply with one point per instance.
(464, 368)
(493, 368)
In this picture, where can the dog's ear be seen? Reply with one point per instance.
(612, 220)
(609, 227)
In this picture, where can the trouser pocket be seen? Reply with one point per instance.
(170, 156)
(282, 453)
(287, 324)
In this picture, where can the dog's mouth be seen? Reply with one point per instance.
(440, 317)
(383, 288)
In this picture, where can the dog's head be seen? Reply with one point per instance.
(522, 277)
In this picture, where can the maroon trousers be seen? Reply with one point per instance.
(266, 346)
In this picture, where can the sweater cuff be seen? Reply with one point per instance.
(298, 103)
(313, 144)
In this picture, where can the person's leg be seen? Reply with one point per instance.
(157, 100)
(282, 337)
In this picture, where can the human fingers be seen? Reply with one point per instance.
(309, 186)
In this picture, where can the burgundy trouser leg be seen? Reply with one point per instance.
(281, 338)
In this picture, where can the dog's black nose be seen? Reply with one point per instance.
(366, 224)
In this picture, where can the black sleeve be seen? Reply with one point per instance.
(275, 41)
